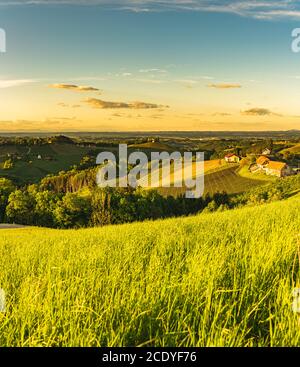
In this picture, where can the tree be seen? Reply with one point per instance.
(6, 188)
(101, 207)
(45, 207)
(73, 211)
(21, 208)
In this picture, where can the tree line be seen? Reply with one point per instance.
(47, 206)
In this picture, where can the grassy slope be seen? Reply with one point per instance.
(243, 171)
(294, 149)
(222, 279)
(64, 156)
(224, 178)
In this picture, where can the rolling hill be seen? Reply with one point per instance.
(293, 149)
(54, 158)
(221, 279)
(220, 177)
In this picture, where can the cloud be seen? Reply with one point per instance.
(259, 9)
(187, 81)
(207, 77)
(77, 88)
(15, 83)
(259, 112)
(155, 70)
(150, 81)
(224, 85)
(222, 114)
(62, 118)
(62, 104)
(98, 103)
(38, 125)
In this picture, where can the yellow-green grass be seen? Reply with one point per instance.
(223, 179)
(243, 171)
(209, 167)
(293, 149)
(221, 279)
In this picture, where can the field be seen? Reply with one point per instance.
(221, 279)
(230, 181)
(293, 149)
(243, 171)
(222, 178)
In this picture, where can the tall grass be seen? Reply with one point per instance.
(222, 279)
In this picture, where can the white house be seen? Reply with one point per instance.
(232, 158)
(266, 151)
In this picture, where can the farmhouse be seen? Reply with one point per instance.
(273, 168)
(232, 158)
(278, 169)
(266, 151)
(262, 161)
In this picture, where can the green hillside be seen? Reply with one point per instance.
(28, 168)
(222, 279)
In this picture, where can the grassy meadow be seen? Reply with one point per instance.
(220, 279)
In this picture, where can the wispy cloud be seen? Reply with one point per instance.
(221, 114)
(77, 88)
(98, 103)
(153, 71)
(149, 81)
(15, 82)
(62, 104)
(257, 111)
(224, 85)
(260, 9)
(186, 81)
(39, 125)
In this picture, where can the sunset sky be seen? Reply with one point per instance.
(149, 65)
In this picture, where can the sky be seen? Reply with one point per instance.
(134, 65)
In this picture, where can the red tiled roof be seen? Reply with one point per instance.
(262, 160)
(278, 166)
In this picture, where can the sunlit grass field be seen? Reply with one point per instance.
(224, 178)
(221, 279)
